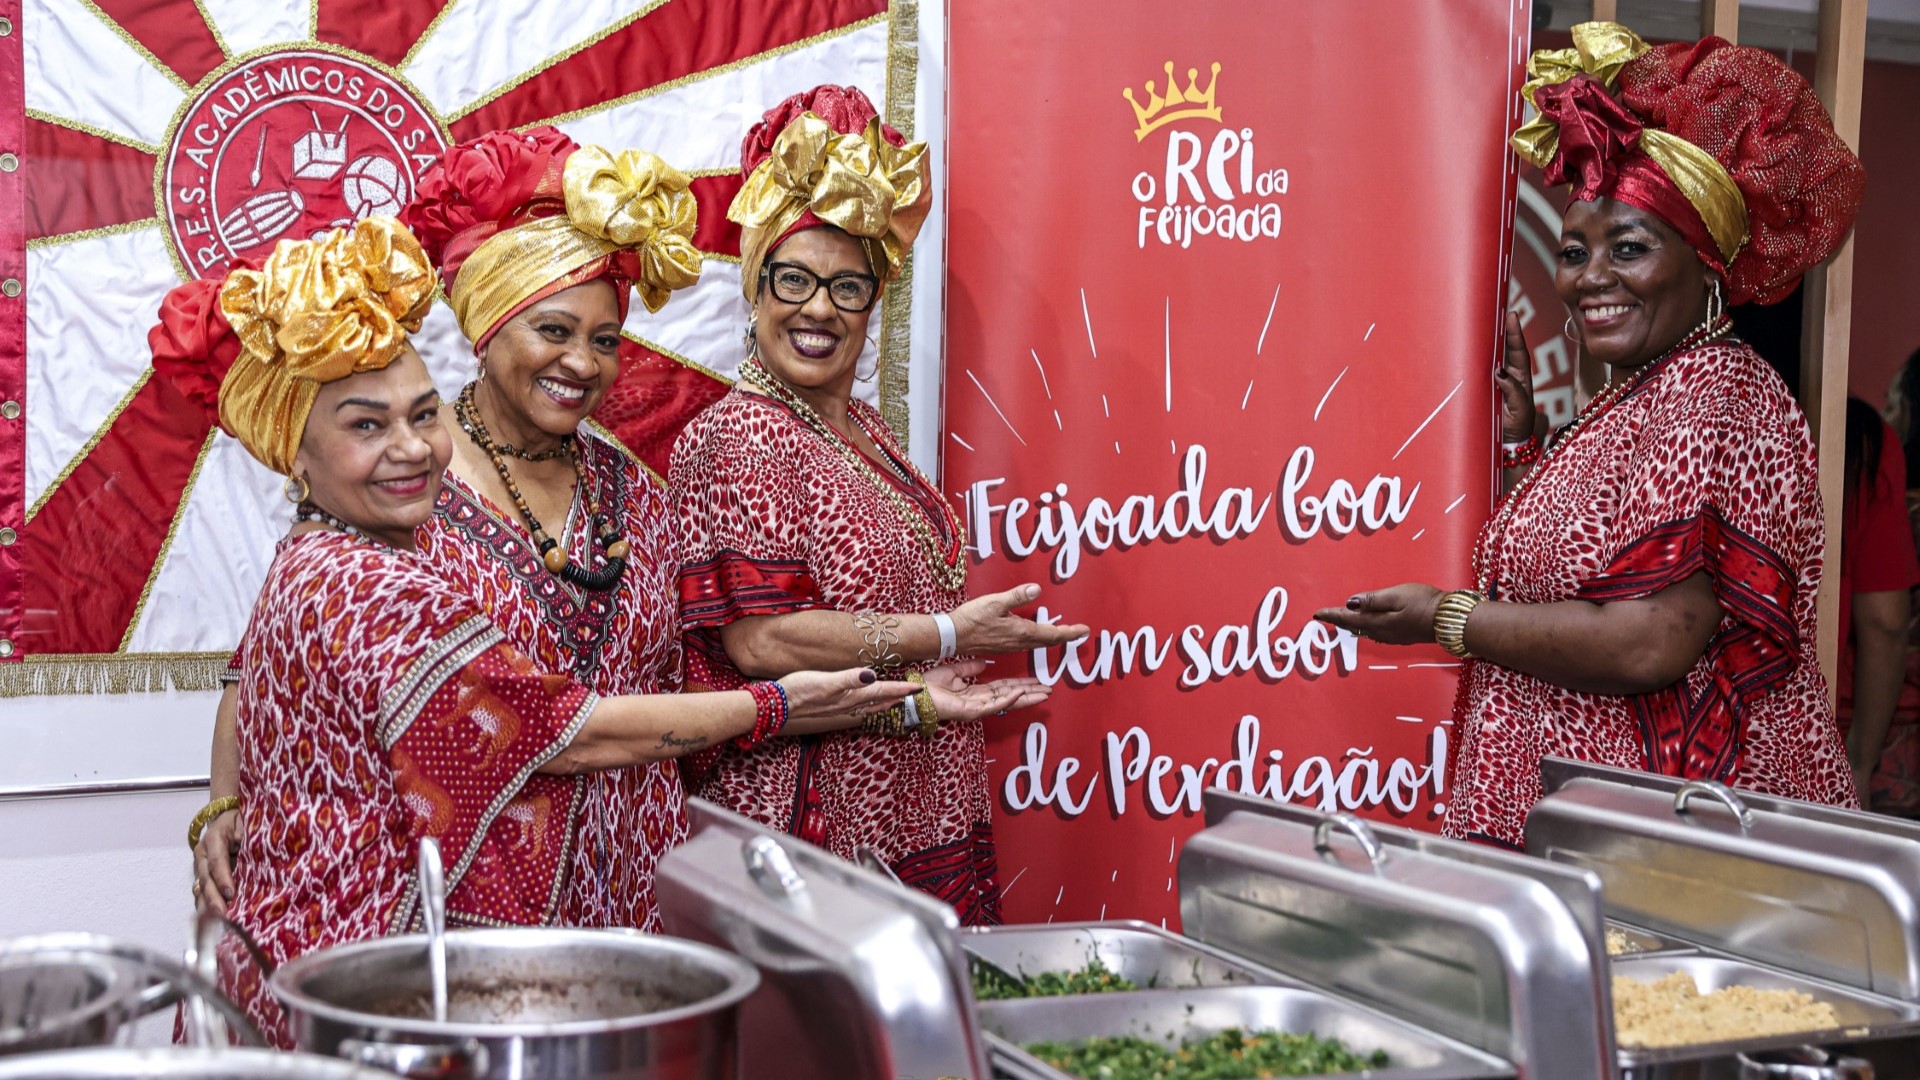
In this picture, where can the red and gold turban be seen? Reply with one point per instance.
(1726, 144)
(513, 217)
(257, 346)
(824, 158)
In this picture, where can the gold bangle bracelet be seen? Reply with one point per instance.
(923, 706)
(207, 813)
(1450, 620)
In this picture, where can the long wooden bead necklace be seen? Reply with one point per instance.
(950, 575)
(1483, 556)
(600, 526)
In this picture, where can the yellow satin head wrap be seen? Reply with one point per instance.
(630, 201)
(877, 192)
(1600, 50)
(315, 312)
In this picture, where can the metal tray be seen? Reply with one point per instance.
(1646, 943)
(1865, 1019)
(1172, 1016)
(1146, 955)
(1814, 897)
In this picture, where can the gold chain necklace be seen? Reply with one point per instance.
(951, 576)
(1483, 556)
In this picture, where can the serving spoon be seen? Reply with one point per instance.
(433, 913)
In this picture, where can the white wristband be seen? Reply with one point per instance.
(949, 637)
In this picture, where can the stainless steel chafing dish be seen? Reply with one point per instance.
(1579, 889)
(861, 978)
(1820, 898)
(1186, 990)
(1494, 959)
(1803, 901)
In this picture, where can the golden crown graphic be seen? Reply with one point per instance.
(1192, 103)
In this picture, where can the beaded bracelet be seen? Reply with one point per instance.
(1515, 455)
(771, 710)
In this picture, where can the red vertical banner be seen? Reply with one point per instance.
(13, 317)
(1224, 293)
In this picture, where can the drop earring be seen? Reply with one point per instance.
(752, 337)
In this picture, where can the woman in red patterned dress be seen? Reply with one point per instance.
(377, 702)
(540, 243)
(1646, 586)
(809, 536)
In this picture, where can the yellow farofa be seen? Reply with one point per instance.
(1673, 1012)
(1618, 944)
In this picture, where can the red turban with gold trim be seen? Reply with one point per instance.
(513, 217)
(1725, 143)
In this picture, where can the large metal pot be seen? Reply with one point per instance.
(182, 1063)
(525, 1004)
(60, 991)
(55, 995)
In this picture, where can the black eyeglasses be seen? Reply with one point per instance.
(795, 284)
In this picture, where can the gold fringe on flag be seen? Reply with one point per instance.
(896, 308)
(110, 673)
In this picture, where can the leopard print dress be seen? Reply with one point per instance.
(775, 520)
(1705, 464)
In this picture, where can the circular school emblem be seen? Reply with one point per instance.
(286, 144)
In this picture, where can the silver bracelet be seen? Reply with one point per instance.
(949, 636)
(912, 713)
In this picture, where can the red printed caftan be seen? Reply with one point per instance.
(775, 520)
(1706, 465)
(623, 641)
(378, 705)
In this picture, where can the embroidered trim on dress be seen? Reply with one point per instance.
(427, 674)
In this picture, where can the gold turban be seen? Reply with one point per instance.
(630, 206)
(1600, 50)
(316, 312)
(860, 182)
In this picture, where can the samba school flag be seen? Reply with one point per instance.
(149, 141)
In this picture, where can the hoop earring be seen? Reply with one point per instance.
(753, 337)
(857, 377)
(1567, 330)
(287, 489)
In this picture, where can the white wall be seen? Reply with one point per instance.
(111, 864)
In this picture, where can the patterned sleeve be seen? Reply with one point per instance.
(466, 720)
(744, 520)
(1721, 480)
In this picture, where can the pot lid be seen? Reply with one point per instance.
(1487, 956)
(860, 977)
(1819, 897)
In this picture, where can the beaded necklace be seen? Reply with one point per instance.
(307, 511)
(600, 526)
(950, 575)
(1483, 556)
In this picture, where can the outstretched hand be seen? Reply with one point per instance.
(987, 625)
(958, 696)
(1401, 615)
